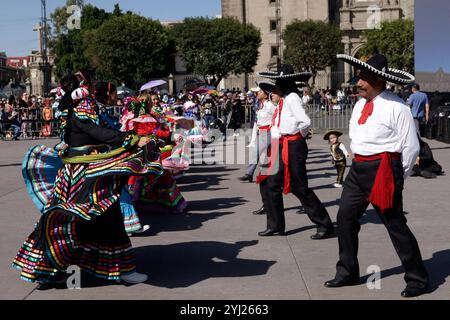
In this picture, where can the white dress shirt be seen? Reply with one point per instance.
(390, 128)
(293, 118)
(265, 114)
(264, 117)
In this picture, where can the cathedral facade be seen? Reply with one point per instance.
(353, 17)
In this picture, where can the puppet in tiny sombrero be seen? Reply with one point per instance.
(330, 132)
(286, 73)
(377, 65)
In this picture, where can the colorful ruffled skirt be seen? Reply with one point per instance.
(81, 222)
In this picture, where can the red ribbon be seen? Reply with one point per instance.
(285, 157)
(264, 128)
(277, 112)
(366, 112)
(382, 193)
(284, 140)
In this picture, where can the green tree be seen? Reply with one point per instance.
(69, 45)
(312, 45)
(395, 39)
(216, 48)
(129, 49)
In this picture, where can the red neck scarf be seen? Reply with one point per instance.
(276, 113)
(366, 112)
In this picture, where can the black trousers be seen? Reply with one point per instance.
(353, 204)
(272, 190)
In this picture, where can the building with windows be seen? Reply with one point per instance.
(353, 17)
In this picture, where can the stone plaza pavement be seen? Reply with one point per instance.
(214, 252)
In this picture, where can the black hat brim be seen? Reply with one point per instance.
(327, 134)
(392, 75)
(266, 86)
(298, 77)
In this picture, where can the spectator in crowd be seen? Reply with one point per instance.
(425, 165)
(207, 110)
(47, 116)
(317, 98)
(2, 110)
(340, 97)
(306, 97)
(420, 107)
(25, 125)
(10, 121)
(436, 101)
(237, 115)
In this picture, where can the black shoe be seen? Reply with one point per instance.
(301, 210)
(413, 292)
(269, 232)
(337, 283)
(427, 174)
(323, 235)
(260, 211)
(246, 177)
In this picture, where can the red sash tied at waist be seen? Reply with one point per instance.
(264, 128)
(382, 193)
(284, 141)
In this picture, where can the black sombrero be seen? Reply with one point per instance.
(378, 66)
(286, 72)
(266, 86)
(329, 132)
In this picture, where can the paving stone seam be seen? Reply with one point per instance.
(8, 193)
(298, 267)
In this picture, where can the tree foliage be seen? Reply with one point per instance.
(312, 45)
(69, 45)
(394, 39)
(112, 45)
(128, 48)
(216, 48)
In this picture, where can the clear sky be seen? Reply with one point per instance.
(432, 35)
(18, 17)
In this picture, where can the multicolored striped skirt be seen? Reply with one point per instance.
(82, 222)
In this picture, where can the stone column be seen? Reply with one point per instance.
(347, 67)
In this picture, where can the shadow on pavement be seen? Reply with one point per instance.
(318, 161)
(370, 216)
(181, 265)
(437, 267)
(320, 156)
(208, 169)
(176, 222)
(215, 204)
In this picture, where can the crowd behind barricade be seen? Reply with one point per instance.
(27, 117)
(33, 116)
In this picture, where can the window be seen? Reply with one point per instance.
(273, 51)
(273, 25)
